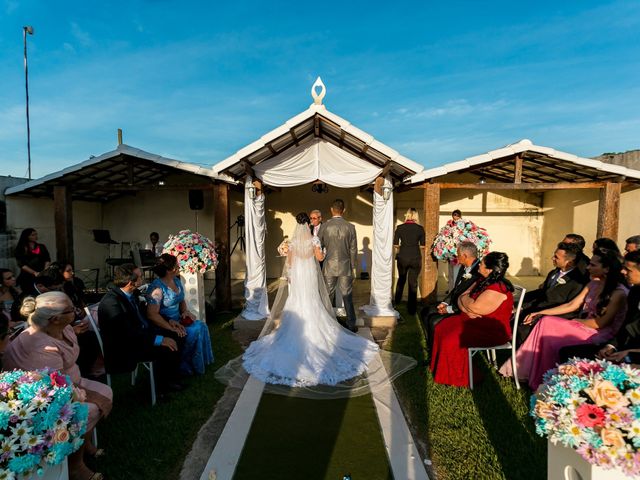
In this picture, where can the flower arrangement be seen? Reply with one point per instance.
(40, 424)
(445, 245)
(283, 248)
(195, 252)
(593, 407)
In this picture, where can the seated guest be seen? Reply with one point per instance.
(168, 310)
(49, 280)
(467, 276)
(484, 320)
(602, 305)
(605, 244)
(130, 338)
(32, 258)
(562, 284)
(72, 286)
(87, 339)
(582, 261)
(49, 342)
(627, 341)
(8, 296)
(632, 244)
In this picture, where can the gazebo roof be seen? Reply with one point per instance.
(539, 165)
(318, 122)
(112, 174)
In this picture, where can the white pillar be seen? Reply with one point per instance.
(255, 284)
(382, 255)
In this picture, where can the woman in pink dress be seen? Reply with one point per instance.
(603, 306)
(50, 342)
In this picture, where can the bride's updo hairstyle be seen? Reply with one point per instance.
(498, 263)
(165, 263)
(303, 218)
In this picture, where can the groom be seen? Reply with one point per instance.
(338, 238)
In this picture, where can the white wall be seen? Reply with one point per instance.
(513, 219)
(25, 212)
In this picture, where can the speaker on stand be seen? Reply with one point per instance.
(196, 202)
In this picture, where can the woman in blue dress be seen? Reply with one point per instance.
(168, 310)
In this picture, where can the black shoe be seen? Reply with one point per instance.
(353, 329)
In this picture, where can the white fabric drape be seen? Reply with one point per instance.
(316, 160)
(255, 283)
(382, 256)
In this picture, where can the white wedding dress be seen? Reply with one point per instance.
(309, 347)
(302, 344)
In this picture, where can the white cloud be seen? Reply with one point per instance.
(81, 36)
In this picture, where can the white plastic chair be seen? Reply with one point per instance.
(512, 345)
(92, 311)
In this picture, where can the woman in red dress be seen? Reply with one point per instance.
(484, 320)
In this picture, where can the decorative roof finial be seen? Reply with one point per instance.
(317, 97)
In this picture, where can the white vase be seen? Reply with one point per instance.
(194, 293)
(565, 463)
(51, 472)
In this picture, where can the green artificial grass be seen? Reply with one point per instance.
(314, 440)
(144, 442)
(484, 433)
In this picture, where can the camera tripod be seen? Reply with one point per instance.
(239, 224)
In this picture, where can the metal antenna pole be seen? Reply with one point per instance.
(27, 29)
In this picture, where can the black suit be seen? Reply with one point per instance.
(129, 338)
(409, 237)
(430, 315)
(627, 338)
(551, 294)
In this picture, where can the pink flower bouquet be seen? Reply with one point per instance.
(594, 408)
(445, 245)
(195, 252)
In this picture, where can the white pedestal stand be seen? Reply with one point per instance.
(52, 472)
(194, 293)
(565, 464)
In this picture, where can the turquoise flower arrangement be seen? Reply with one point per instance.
(40, 424)
(592, 406)
(195, 252)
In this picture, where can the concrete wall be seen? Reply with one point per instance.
(283, 206)
(514, 219)
(525, 225)
(24, 212)
(576, 211)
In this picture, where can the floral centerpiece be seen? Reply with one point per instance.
(594, 408)
(195, 252)
(445, 245)
(40, 424)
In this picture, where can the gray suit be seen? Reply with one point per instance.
(338, 238)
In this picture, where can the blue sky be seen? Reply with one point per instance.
(437, 81)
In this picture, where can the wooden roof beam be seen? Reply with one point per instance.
(523, 186)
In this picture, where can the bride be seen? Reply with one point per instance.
(306, 346)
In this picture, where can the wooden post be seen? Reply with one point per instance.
(223, 237)
(429, 277)
(609, 210)
(517, 177)
(63, 216)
